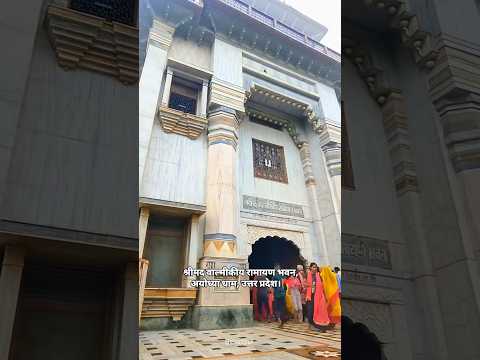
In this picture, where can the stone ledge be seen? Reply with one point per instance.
(89, 42)
(178, 122)
(228, 95)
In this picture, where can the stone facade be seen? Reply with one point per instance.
(267, 163)
(411, 262)
(68, 238)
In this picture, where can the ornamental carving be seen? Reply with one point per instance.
(412, 35)
(255, 233)
(181, 123)
(375, 316)
(86, 41)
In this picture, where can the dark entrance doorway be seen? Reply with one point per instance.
(268, 251)
(359, 343)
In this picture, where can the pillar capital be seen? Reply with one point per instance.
(333, 157)
(456, 97)
(307, 163)
(223, 125)
(160, 34)
(13, 256)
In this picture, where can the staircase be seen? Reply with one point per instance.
(167, 302)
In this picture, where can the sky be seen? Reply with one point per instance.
(327, 13)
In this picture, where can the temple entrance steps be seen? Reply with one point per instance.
(167, 302)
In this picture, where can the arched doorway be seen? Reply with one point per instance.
(270, 250)
(358, 342)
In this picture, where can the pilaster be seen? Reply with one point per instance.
(454, 85)
(128, 344)
(311, 186)
(330, 142)
(395, 122)
(159, 41)
(10, 279)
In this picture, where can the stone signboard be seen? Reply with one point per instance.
(272, 206)
(365, 251)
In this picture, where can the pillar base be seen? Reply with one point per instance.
(222, 317)
(166, 323)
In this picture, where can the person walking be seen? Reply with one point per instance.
(302, 278)
(332, 295)
(316, 303)
(338, 274)
(279, 293)
(262, 299)
(295, 293)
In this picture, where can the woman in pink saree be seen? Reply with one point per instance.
(315, 297)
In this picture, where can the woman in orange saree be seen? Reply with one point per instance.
(316, 303)
(332, 294)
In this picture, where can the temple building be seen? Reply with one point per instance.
(411, 175)
(240, 152)
(68, 236)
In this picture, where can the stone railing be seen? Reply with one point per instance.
(284, 29)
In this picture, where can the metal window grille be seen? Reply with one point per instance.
(182, 103)
(269, 161)
(122, 11)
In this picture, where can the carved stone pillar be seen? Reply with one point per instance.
(128, 344)
(222, 226)
(455, 92)
(143, 263)
(142, 229)
(191, 255)
(10, 278)
(330, 141)
(401, 154)
(313, 200)
(333, 158)
(159, 41)
(167, 87)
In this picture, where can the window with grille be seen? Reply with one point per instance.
(183, 95)
(269, 161)
(122, 11)
(347, 169)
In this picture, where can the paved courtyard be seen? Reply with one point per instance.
(264, 341)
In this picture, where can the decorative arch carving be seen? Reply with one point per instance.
(255, 233)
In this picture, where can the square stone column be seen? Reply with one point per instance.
(10, 279)
(222, 307)
(128, 344)
(311, 185)
(159, 41)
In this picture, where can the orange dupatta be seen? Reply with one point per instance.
(320, 313)
(330, 286)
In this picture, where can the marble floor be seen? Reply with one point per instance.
(263, 341)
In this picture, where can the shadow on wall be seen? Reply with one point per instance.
(358, 343)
